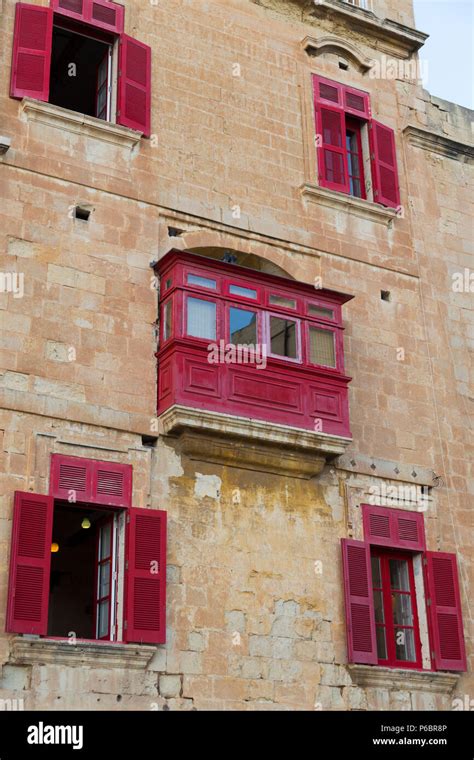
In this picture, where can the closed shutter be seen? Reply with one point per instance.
(357, 103)
(102, 14)
(145, 577)
(383, 158)
(397, 528)
(359, 602)
(30, 562)
(32, 44)
(332, 155)
(75, 479)
(444, 608)
(134, 86)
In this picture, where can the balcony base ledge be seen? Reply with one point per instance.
(37, 651)
(250, 444)
(403, 680)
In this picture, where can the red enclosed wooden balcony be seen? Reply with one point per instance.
(255, 347)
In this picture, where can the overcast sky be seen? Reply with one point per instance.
(449, 51)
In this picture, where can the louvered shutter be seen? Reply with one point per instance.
(444, 608)
(397, 528)
(30, 562)
(90, 480)
(359, 602)
(134, 86)
(102, 14)
(32, 44)
(331, 135)
(357, 103)
(145, 577)
(383, 156)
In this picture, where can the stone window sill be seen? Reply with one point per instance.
(405, 680)
(72, 121)
(30, 651)
(391, 36)
(250, 444)
(356, 206)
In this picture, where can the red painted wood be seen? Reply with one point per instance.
(102, 14)
(383, 155)
(145, 577)
(396, 528)
(31, 61)
(30, 563)
(289, 392)
(134, 86)
(444, 611)
(359, 602)
(76, 479)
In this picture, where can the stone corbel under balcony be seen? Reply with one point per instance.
(390, 36)
(36, 651)
(250, 444)
(404, 680)
(364, 209)
(72, 121)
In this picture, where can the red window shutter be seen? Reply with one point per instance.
(77, 479)
(444, 608)
(383, 157)
(357, 102)
(76, 9)
(134, 87)
(71, 478)
(331, 134)
(359, 602)
(103, 14)
(398, 528)
(112, 484)
(145, 579)
(30, 561)
(32, 44)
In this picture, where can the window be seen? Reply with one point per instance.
(396, 619)
(242, 327)
(239, 290)
(382, 599)
(167, 320)
(322, 349)
(346, 134)
(65, 54)
(320, 311)
(359, 3)
(81, 565)
(283, 337)
(201, 320)
(202, 282)
(282, 301)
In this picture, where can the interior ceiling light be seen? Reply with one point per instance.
(54, 548)
(86, 523)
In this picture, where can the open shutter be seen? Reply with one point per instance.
(444, 608)
(30, 561)
(32, 44)
(134, 86)
(398, 528)
(359, 602)
(383, 156)
(332, 157)
(145, 577)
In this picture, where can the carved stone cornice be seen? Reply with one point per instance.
(364, 209)
(31, 651)
(316, 46)
(387, 35)
(436, 143)
(406, 680)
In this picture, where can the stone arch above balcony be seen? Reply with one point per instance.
(276, 258)
(346, 50)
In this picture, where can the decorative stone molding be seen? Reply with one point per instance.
(316, 47)
(435, 143)
(71, 121)
(250, 444)
(391, 37)
(348, 203)
(384, 468)
(29, 651)
(403, 680)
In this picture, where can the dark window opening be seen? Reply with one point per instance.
(80, 593)
(80, 73)
(354, 159)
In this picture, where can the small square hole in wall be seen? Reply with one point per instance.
(174, 232)
(343, 65)
(149, 441)
(82, 212)
(385, 295)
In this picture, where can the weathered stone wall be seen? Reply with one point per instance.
(254, 621)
